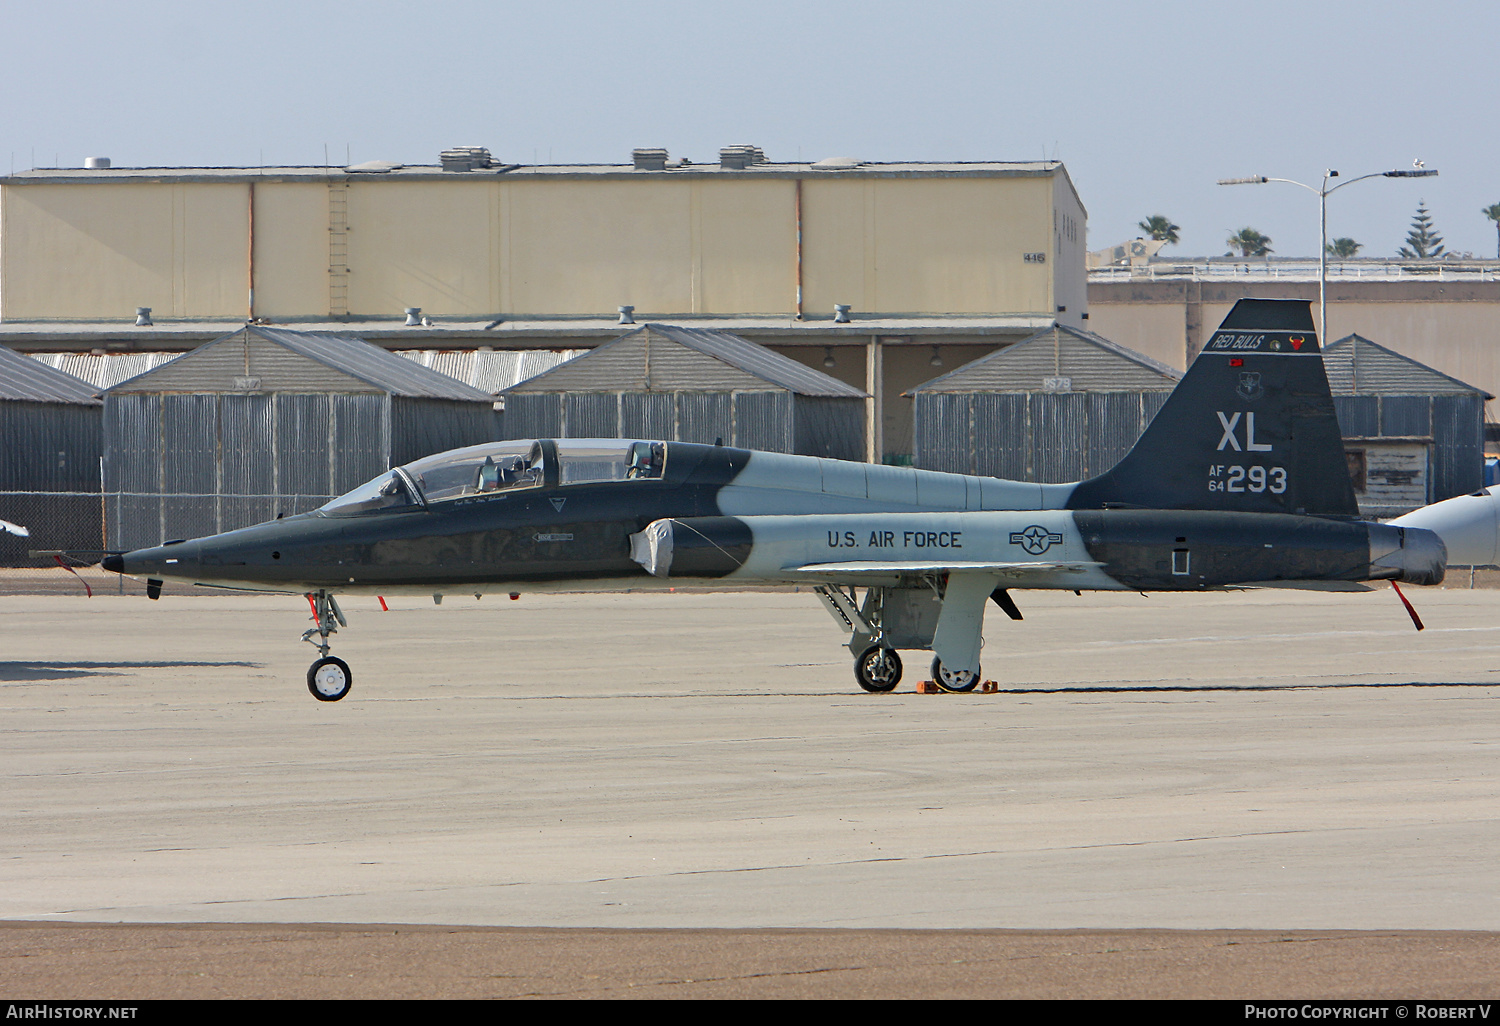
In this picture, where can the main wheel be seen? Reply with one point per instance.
(878, 669)
(948, 680)
(329, 679)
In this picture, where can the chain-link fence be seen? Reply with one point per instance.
(69, 527)
(70, 532)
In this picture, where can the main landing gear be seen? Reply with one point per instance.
(879, 669)
(908, 617)
(329, 678)
(950, 680)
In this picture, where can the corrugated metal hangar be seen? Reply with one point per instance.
(1066, 405)
(49, 459)
(1412, 435)
(1063, 405)
(684, 384)
(491, 370)
(297, 244)
(264, 422)
(873, 262)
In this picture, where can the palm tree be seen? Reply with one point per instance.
(1250, 243)
(1159, 227)
(1493, 213)
(1345, 248)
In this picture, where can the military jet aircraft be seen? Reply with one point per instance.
(1239, 481)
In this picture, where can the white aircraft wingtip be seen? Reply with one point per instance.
(6, 525)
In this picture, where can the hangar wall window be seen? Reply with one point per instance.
(1358, 468)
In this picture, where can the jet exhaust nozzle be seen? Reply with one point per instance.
(1411, 555)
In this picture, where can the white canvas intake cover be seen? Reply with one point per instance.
(652, 548)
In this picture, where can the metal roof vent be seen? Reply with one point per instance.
(649, 159)
(465, 158)
(413, 316)
(627, 315)
(143, 317)
(96, 162)
(840, 313)
(737, 158)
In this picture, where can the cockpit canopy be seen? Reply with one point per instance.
(493, 467)
(503, 467)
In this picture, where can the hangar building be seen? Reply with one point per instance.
(1063, 405)
(1412, 435)
(885, 267)
(265, 421)
(49, 459)
(691, 385)
(1066, 405)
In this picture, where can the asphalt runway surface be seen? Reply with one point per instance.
(1232, 795)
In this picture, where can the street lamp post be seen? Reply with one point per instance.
(1417, 172)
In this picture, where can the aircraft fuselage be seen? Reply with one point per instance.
(742, 517)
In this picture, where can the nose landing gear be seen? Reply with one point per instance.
(878, 669)
(328, 679)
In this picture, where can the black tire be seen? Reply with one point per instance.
(878, 669)
(335, 682)
(958, 683)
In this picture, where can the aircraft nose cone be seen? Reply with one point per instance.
(175, 559)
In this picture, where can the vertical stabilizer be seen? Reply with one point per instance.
(1250, 428)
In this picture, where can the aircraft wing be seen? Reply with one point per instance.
(1014, 573)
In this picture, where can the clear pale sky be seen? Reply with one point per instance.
(1147, 103)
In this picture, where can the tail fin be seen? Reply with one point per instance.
(1249, 428)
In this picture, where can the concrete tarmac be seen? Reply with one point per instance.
(1273, 761)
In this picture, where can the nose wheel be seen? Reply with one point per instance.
(329, 679)
(878, 669)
